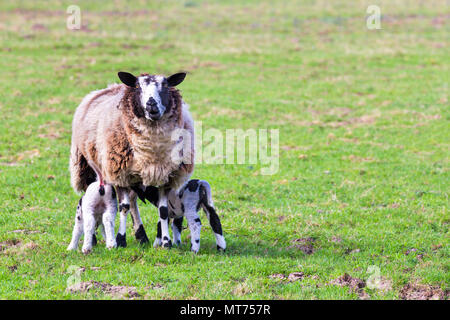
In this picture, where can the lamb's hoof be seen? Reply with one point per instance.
(86, 250)
(157, 243)
(195, 248)
(167, 243)
(141, 236)
(111, 245)
(94, 240)
(121, 240)
(70, 248)
(220, 249)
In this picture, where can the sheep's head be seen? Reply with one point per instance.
(153, 92)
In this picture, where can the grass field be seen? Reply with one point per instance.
(359, 206)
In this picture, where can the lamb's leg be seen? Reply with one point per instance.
(138, 227)
(214, 220)
(177, 227)
(108, 222)
(77, 229)
(89, 229)
(164, 218)
(102, 231)
(195, 226)
(216, 226)
(124, 208)
(157, 242)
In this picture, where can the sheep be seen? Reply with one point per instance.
(187, 201)
(98, 207)
(127, 131)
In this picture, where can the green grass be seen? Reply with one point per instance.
(363, 117)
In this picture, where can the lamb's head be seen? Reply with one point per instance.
(153, 92)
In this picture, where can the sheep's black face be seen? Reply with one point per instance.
(154, 92)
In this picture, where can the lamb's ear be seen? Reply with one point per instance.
(127, 78)
(176, 79)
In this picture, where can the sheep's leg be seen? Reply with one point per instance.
(89, 229)
(139, 231)
(164, 218)
(177, 227)
(195, 226)
(77, 229)
(124, 208)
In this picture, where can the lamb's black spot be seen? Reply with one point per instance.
(101, 190)
(163, 212)
(168, 244)
(171, 204)
(141, 235)
(180, 194)
(79, 218)
(192, 185)
(166, 238)
(198, 220)
(178, 223)
(182, 207)
(203, 197)
(124, 207)
(214, 220)
(152, 195)
(158, 230)
(197, 240)
(80, 201)
(121, 240)
(94, 240)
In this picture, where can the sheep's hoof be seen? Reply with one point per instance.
(121, 240)
(86, 250)
(220, 249)
(141, 236)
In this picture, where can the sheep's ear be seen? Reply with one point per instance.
(176, 79)
(127, 78)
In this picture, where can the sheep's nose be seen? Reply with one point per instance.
(151, 102)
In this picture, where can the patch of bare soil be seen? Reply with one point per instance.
(422, 292)
(306, 245)
(9, 244)
(25, 231)
(119, 292)
(15, 246)
(294, 276)
(355, 284)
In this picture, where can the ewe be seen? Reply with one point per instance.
(126, 130)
